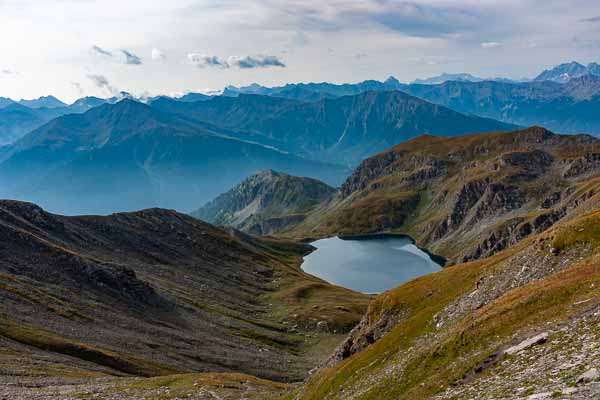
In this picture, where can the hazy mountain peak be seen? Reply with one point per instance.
(565, 72)
(445, 77)
(44, 101)
(392, 81)
(4, 101)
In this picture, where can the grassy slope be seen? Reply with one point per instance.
(416, 361)
(58, 330)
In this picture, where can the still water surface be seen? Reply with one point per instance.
(368, 265)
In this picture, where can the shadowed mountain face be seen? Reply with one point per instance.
(150, 293)
(130, 156)
(266, 202)
(343, 130)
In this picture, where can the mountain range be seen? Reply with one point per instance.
(565, 106)
(565, 72)
(560, 109)
(341, 130)
(516, 216)
(484, 192)
(445, 77)
(18, 118)
(128, 155)
(159, 305)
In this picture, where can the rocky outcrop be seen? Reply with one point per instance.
(590, 163)
(266, 203)
(362, 336)
(419, 169)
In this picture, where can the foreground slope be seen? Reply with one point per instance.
(522, 324)
(266, 202)
(155, 293)
(468, 197)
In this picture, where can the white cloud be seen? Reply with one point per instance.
(242, 62)
(158, 55)
(100, 51)
(101, 82)
(490, 45)
(206, 61)
(131, 58)
(250, 62)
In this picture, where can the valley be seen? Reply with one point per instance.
(159, 304)
(437, 240)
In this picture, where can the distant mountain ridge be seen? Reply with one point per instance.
(43, 102)
(565, 72)
(15, 122)
(343, 129)
(77, 163)
(569, 107)
(435, 80)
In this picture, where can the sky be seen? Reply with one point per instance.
(74, 48)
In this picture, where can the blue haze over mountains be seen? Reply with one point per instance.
(105, 155)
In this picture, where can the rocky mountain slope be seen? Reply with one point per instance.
(567, 71)
(155, 293)
(77, 163)
(465, 198)
(266, 202)
(344, 130)
(522, 324)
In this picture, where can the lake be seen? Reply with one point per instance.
(371, 265)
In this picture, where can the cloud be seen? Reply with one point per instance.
(158, 55)
(206, 61)
(101, 51)
(102, 83)
(244, 62)
(592, 19)
(7, 71)
(249, 62)
(420, 19)
(77, 87)
(126, 56)
(490, 45)
(130, 58)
